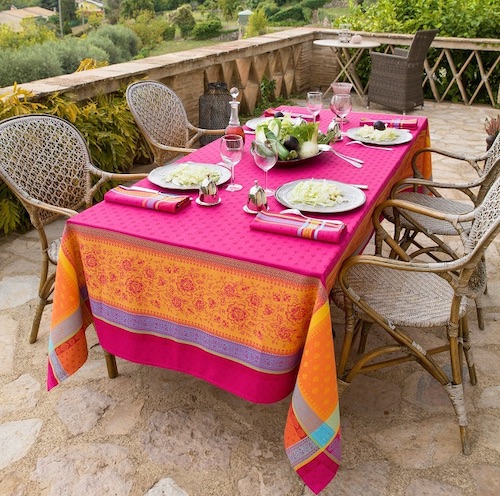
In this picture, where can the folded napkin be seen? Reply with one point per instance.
(270, 113)
(295, 225)
(145, 199)
(396, 122)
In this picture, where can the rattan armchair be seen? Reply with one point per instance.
(162, 119)
(396, 79)
(402, 294)
(45, 162)
(409, 226)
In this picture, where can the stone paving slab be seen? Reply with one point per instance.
(154, 432)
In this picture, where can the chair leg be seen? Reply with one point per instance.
(479, 312)
(35, 327)
(469, 358)
(350, 322)
(43, 295)
(111, 365)
(365, 329)
(456, 395)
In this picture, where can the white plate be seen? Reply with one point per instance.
(353, 197)
(156, 176)
(253, 123)
(404, 136)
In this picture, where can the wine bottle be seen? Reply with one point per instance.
(234, 126)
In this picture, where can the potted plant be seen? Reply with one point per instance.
(492, 128)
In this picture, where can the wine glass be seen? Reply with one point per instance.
(341, 105)
(265, 155)
(314, 103)
(231, 152)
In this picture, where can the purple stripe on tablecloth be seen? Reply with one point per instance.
(142, 324)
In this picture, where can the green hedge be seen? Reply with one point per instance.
(111, 44)
(205, 30)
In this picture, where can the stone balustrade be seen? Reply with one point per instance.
(288, 57)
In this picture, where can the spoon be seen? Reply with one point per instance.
(296, 211)
(368, 146)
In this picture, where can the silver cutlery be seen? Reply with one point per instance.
(296, 211)
(357, 162)
(369, 146)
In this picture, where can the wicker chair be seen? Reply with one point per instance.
(162, 119)
(45, 162)
(409, 226)
(400, 294)
(396, 79)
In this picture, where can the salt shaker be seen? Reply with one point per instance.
(209, 195)
(257, 200)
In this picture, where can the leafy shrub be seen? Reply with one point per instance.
(151, 29)
(257, 24)
(27, 64)
(71, 53)
(124, 42)
(183, 17)
(455, 18)
(205, 30)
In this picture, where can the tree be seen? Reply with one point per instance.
(257, 24)
(183, 17)
(68, 10)
(132, 8)
(112, 11)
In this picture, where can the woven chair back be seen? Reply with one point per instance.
(159, 113)
(43, 158)
(420, 45)
(485, 228)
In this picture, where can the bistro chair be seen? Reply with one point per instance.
(409, 226)
(162, 119)
(402, 294)
(396, 78)
(45, 162)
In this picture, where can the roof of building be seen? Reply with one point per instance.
(13, 17)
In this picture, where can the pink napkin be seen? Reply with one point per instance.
(270, 113)
(396, 122)
(295, 225)
(164, 202)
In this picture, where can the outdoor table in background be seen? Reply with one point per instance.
(347, 54)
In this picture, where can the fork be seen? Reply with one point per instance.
(369, 146)
(357, 162)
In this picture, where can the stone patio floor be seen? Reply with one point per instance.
(157, 432)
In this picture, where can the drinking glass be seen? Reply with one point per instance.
(231, 152)
(265, 155)
(341, 105)
(314, 103)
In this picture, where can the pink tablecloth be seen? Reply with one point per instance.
(202, 293)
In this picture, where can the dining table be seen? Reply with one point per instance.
(202, 292)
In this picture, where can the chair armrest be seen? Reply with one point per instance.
(381, 60)
(401, 52)
(383, 236)
(433, 185)
(473, 161)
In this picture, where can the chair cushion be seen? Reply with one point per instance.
(432, 225)
(408, 299)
